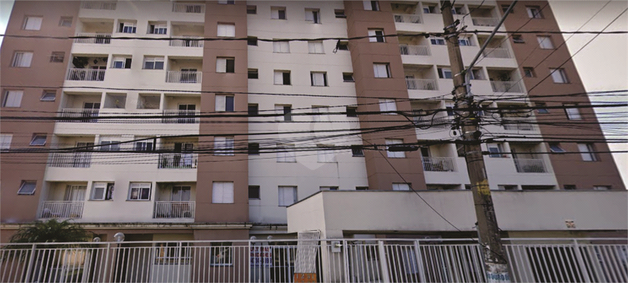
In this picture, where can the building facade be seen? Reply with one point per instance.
(183, 120)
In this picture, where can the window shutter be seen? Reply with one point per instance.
(367, 5)
(274, 14)
(380, 70)
(584, 152)
(221, 65)
(279, 110)
(5, 141)
(309, 15)
(13, 99)
(227, 196)
(230, 30)
(278, 78)
(220, 103)
(217, 192)
(33, 23)
(25, 60)
(372, 33)
(318, 79)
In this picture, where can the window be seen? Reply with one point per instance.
(352, 111)
(545, 42)
(342, 45)
(109, 146)
(139, 191)
(22, 59)
(12, 98)
(57, 57)
(444, 73)
(376, 35)
(328, 188)
(401, 187)
(357, 151)
(121, 62)
(587, 152)
(223, 145)
(251, 9)
(387, 105)
(102, 191)
(282, 77)
(65, 22)
(505, 8)
(251, 41)
(144, 146)
(569, 187)
(253, 74)
(253, 109)
(437, 41)
(347, 77)
(230, 2)
(572, 112)
(450, 109)
(340, 14)
(517, 38)
(507, 187)
(371, 5)
(322, 113)
(430, 9)
(38, 139)
(225, 65)
(127, 27)
(457, 10)
(157, 28)
(360, 188)
(224, 103)
(541, 109)
(32, 23)
(476, 74)
(529, 72)
(226, 30)
(5, 141)
(27, 188)
(394, 154)
(313, 15)
(285, 153)
(381, 70)
(153, 63)
(281, 47)
(221, 254)
(222, 192)
(287, 195)
(325, 153)
(465, 41)
(254, 192)
(315, 47)
(555, 147)
(534, 12)
(495, 150)
(318, 78)
(601, 188)
(253, 149)
(559, 76)
(278, 13)
(48, 95)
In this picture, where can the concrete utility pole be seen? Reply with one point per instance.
(494, 257)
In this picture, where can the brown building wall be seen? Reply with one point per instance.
(223, 168)
(41, 75)
(569, 169)
(381, 174)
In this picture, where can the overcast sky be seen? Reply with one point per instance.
(603, 64)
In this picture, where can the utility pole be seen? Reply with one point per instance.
(467, 118)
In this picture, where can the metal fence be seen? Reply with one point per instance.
(407, 18)
(384, 260)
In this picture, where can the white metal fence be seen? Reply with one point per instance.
(485, 21)
(188, 8)
(498, 52)
(191, 42)
(61, 209)
(71, 159)
(438, 164)
(530, 165)
(407, 18)
(423, 84)
(99, 5)
(506, 86)
(177, 160)
(77, 74)
(385, 260)
(405, 49)
(174, 209)
(96, 38)
(186, 77)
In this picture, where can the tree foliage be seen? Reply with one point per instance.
(51, 231)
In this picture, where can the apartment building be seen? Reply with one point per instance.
(150, 130)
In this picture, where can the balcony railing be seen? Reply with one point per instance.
(180, 116)
(61, 209)
(529, 165)
(485, 22)
(406, 18)
(498, 52)
(188, 8)
(79, 112)
(191, 42)
(95, 38)
(71, 159)
(438, 164)
(185, 77)
(423, 84)
(76, 74)
(506, 86)
(405, 49)
(518, 124)
(99, 5)
(178, 160)
(174, 209)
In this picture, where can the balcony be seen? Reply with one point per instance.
(180, 116)
(94, 38)
(186, 77)
(71, 159)
(178, 161)
(421, 50)
(61, 209)
(174, 209)
(82, 74)
(422, 84)
(188, 8)
(498, 52)
(506, 86)
(80, 113)
(406, 18)
(511, 124)
(98, 5)
(530, 165)
(485, 21)
(438, 164)
(187, 42)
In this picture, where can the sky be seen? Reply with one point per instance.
(602, 65)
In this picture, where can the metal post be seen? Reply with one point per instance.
(419, 261)
(467, 118)
(106, 263)
(580, 260)
(383, 262)
(179, 263)
(345, 257)
(29, 269)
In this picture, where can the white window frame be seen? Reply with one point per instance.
(368, 5)
(39, 139)
(559, 76)
(221, 64)
(324, 154)
(587, 152)
(221, 103)
(400, 186)
(286, 153)
(316, 47)
(139, 187)
(394, 154)
(572, 112)
(310, 16)
(498, 150)
(376, 35)
(158, 28)
(387, 105)
(225, 30)
(5, 141)
(32, 187)
(128, 27)
(465, 41)
(107, 191)
(22, 59)
(443, 73)
(222, 192)
(12, 98)
(154, 60)
(381, 70)
(278, 77)
(318, 78)
(144, 146)
(281, 47)
(224, 146)
(32, 23)
(275, 15)
(109, 145)
(534, 12)
(545, 42)
(66, 21)
(287, 195)
(436, 40)
(122, 60)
